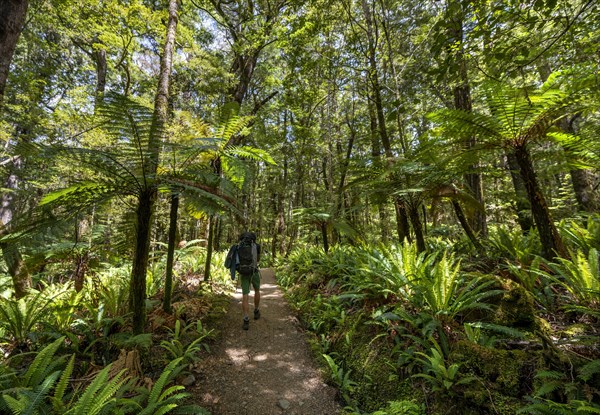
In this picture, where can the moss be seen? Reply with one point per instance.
(516, 308)
(575, 330)
(374, 371)
(509, 372)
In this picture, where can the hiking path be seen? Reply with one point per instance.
(266, 370)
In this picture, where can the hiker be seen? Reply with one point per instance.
(244, 258)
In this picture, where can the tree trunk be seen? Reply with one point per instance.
(323, 227)
(415, 220)
(585, 185)
(462, 101)
(209, 247)
(101, 71)
(16, 268)
(171, 252)
(137, 297)
(10, 249)
(584, 182)
(147, 196)
(465, 225)
(552, 244)
(522, 204)
(402, 224)
(12, 18)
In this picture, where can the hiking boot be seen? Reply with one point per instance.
(246, 324)
(256, 314)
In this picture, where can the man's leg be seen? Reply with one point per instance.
(245, 305)
(245, 280)
(256, 285)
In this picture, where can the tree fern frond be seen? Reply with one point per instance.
(251, 153)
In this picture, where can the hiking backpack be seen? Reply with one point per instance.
(247, 254)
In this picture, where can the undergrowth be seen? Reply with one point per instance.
(406, 333)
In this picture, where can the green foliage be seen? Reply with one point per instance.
(341, 378)
(441, 376)
(99, 396)
(20, 317)
(477, 333)
(402, 408)
(444, 293)
(513, 245)
(162, 398)
(580, 276)
(177, 347)
(582, 237)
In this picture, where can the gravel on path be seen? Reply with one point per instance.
(266, 370)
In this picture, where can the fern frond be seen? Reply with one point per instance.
(61, 387)
(98, 394)
(39, 368)
(251, 153)
(590, 369)
(165, 377)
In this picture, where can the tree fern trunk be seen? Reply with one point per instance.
(137, 296)
(147, 196)
(171, 252)
(402, 224)
(209, 247)
(552, 244)
(417, 225)
(323, 226)
(522, 204)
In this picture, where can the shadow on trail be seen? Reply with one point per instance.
(267, 369)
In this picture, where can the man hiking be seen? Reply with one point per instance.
(244, 258)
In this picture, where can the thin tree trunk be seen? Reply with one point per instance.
(209, 248)
(415, 220)
(460, 214)
(171, 252)
(148, 195)
(522, 204)
(12, 19)
(552, 244)
(10, 249)
(462, 101)
(323, 227)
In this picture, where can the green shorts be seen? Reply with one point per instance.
(250, 278)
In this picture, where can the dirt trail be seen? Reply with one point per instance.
(265, 370)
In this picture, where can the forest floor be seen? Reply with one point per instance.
(268, 369)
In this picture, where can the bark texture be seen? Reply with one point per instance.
(12, 18)
(552, 244)
(147, 197)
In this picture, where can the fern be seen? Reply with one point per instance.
(59, 392)
(43, 364)
(19, 317)
(99, 395)
(590, 369)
